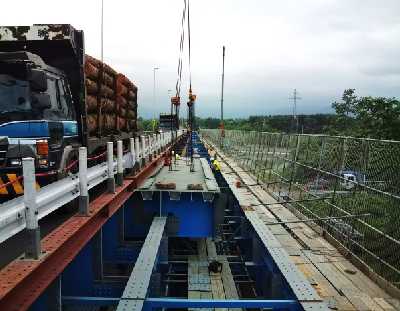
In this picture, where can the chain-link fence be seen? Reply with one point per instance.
(335, 178)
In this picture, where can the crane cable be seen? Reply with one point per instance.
(188, 24)
(181, 47)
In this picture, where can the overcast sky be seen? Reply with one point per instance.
(319, 47)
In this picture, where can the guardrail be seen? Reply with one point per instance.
(331, 177)
(24, 212)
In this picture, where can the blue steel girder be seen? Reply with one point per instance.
(139, 281)
(167, 303)
(195, 217)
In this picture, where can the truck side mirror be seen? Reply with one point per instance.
(41, 101)
(38, 80)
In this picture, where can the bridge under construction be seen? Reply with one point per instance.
(178, 218)
(187, 232)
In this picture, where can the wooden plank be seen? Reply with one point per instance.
(371, 304)
(202, 249)
(395, 303)
(384, 304)
(205, 295)
(193, 294)
(211, 249)
(217, 288)
(359, 279)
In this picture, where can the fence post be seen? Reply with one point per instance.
(110, 166)
(120, 166)
(155, 148)
(83, 184)
(138, 153)
(144, 150)
(132, 150)
(33, 247)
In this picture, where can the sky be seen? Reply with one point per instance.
(319, 47)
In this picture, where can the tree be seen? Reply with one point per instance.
(376, 117)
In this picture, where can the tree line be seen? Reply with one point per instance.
(373, 117)
(358, 116)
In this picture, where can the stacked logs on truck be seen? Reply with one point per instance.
(126, 102)
(110, 99)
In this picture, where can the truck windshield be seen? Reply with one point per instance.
(14, 94)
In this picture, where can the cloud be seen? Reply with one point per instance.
(319, 47)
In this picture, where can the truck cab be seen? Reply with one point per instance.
(38, 115)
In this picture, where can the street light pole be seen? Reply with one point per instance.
(102, 30)
(222, 130)
(154, 93)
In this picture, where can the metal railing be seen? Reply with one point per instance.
(331, 177)
(25, 211)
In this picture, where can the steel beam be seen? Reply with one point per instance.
(139, 281)
(151, 303)
(217, 303)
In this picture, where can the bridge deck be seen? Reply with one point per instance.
(342, 285)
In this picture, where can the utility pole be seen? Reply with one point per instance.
(295, 121)
(222, 130)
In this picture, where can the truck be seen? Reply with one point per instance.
(55, 99)
(168, 122)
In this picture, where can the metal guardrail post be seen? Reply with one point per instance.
(154, 143)
(164, 143)
(83, 182)
(151, 147)
(138, 153)
(110, 167)
(132, 151)
(33, 247)
(120, 167)
(144, 150)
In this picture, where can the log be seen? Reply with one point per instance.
(132, 125)
(108, 105)
(91, 71)
(132, 104)
(109, 122)
(121, 101)
(111, 101)
(121, 123)
(91, 87)
(122, 111)
(131, 114)
(122, 89)
(98, 64)
(106, 91)
(91, 121)
(91, 103)
(131, 95)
